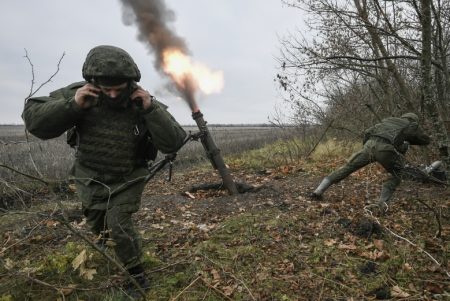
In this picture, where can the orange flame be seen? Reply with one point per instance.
(180, 67)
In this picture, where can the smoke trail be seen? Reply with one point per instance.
(152, 18)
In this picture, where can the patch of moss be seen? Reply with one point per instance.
(149, 260)
(6, 298)
(62, 261)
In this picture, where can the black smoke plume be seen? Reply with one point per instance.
(152, 18)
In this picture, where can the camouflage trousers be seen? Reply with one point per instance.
(108, 203)
(116, 224)
(374, 150)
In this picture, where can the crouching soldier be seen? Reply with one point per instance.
(385, 143)
(112, 121)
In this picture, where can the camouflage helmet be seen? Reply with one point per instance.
(411, 116)
(111, 62)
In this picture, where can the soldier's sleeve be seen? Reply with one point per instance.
(415, 135)
(50, 116)
(167, 134)
(367, 134)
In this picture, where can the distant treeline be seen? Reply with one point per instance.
(209, 124)
(267, 125)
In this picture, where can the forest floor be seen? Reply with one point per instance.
(271, 243)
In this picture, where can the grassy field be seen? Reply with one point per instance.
(52, 159)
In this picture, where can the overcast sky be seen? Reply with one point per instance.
(239, 37)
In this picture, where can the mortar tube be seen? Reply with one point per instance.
(213, 153)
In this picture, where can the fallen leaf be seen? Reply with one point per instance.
(407, 266)
(330, 242)
(79, 260)
(374, 255)
(205, 227)
(346, 247)
(52, 223)
(156, 226)
(379, 244)
(396, 291)
(9, 264)
(215, 275)
(88, 273)
(228, 290)
(80, 263)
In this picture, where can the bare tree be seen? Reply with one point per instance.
(390, 56)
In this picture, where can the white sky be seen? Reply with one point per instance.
(239, 37)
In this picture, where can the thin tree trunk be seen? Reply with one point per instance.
(443, 73)
(427, 90)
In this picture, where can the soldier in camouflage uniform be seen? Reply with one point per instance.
(385, 143)
(111, 121)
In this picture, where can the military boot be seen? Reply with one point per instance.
(317, 194)
(138, 274)
(385, 196)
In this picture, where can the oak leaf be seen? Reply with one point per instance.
(80, 263)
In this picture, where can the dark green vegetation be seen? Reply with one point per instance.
(270, 244)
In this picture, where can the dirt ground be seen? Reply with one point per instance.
(416, 215)
(270, 243)
(288, 189)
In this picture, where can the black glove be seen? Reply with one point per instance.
(403, 148)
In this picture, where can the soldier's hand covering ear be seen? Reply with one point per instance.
(86, 96)
(142, 98)
(404, 147)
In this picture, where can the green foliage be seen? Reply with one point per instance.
(149, 260)
(287, 152)
(177, 279)
(72, 248)
(281, 152)
(334, 149)
(56, 262)
(61, 261)
(167, 283)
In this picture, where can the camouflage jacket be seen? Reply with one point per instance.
(396, 131)
(51, 116)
